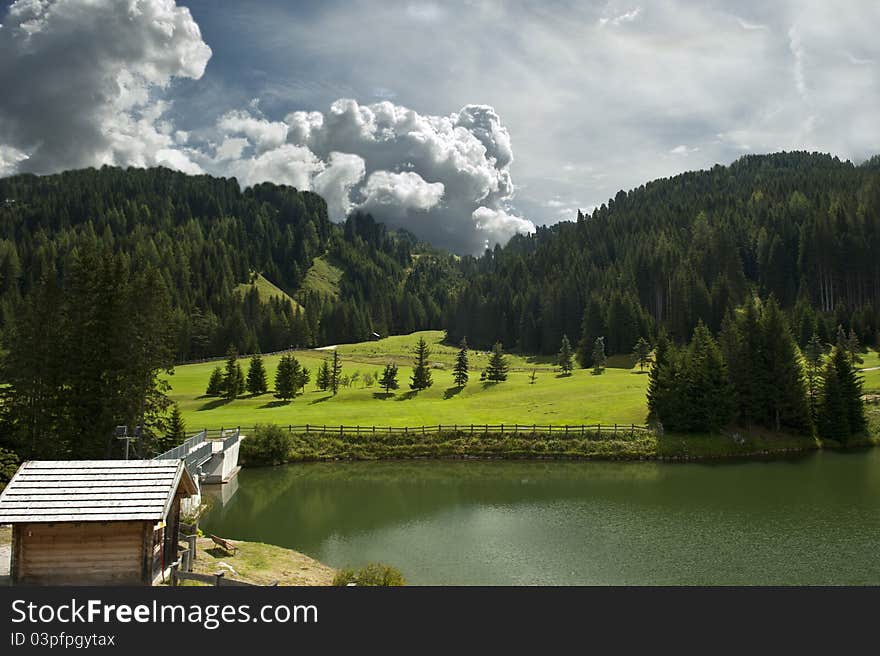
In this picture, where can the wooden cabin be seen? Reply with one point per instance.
(94, 522)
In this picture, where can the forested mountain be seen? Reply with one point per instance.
(802, 227)
(204, 236)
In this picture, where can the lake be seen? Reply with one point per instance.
(814, 520)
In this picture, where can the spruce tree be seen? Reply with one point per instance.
(388, 381)
(175, 433)
(598, 356)
(215, 383)
(285, 381)
(303, 379)
(335, 373)
(256, 376)
(642, 353)
(232, 381)
(813, 359)
(854, 348)
(841, 410)
(460, 370)
(661, 355)
(565, 356)
(323, 380)
(496, 370)
(786, 398)
(421, 377)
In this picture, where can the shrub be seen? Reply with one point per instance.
(269, 445)
(374, 574)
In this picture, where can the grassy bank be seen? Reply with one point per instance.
(299, 447)
(261, 564)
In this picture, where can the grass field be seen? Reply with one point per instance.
(617, 396)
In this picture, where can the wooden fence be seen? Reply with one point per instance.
(217, 579)
(593, 431)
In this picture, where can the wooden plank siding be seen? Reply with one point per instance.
(79, 553)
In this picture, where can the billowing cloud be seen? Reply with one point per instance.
(79, 76)
(429, 174)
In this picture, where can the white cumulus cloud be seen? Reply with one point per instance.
(79, 77)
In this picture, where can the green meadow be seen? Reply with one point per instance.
(617, 396)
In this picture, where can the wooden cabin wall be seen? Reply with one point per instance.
(78, 553)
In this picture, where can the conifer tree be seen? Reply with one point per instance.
(421, 376)
(598, 357)
(642, 353)
(335, 373)
(175, 433)
(256, 376)
(232, 379)
(460, 370)
(565, 358)
(303, 379)
(323, 380)
(215, 383)
(240, 378)
(388, 381)
(841, 412)
(285, 381)
(786, 398)
(496, 370)
(661, 355)
(813, 358)
(854, 348)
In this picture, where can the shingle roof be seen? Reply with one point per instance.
(93, 490)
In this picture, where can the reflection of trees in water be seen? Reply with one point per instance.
(301, 505)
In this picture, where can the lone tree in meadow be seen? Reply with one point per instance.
(233, 378)
(460, 370)
(215, 383)
(285, 378)
(335, 373)
(599, 359)
(256, 376)
(533, 376)
(303, 379)
(642, 353)
(323, 380)
(566, 357)
(421, 377)
(388, 381)
(496, 370)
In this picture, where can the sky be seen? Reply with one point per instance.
(463, 121)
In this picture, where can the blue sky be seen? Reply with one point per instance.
(465, 121)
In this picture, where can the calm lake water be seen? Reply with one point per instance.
(815, 520)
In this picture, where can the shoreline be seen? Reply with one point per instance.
(669, 448)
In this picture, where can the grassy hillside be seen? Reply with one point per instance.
(323, 278)
(266, 289)
(616, 396)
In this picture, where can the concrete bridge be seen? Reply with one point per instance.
(210, 462)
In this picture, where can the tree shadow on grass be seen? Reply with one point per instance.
(452, 392)
(645, 371)
(383, 396)
(211, 405)
(486, 384)
(321, 400)
(277, 403)
(563, 375)
(406, 396)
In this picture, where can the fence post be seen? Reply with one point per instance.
(566, 430)
(174, 566)
(217, 577)
(502, 429)
(307, 428)
(598, 431)
(192, 549)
